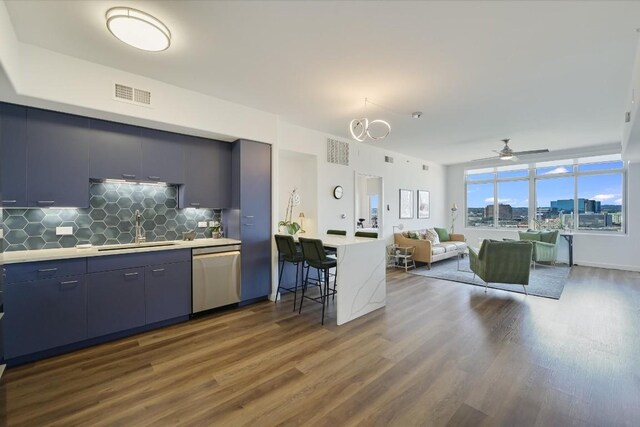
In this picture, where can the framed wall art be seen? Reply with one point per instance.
(423, 204)
(406, 204)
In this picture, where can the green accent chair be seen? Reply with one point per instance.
(502, 262)
(545, 244)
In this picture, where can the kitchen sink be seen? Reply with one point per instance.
(135, 246)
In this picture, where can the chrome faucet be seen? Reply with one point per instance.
(140, 238)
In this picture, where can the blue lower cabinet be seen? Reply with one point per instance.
(167, 291)
(115, 301)
(44, 314)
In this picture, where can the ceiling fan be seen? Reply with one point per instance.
(508, 154)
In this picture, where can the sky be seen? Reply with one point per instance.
(605, 188)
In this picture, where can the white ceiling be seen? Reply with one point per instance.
(547, 75)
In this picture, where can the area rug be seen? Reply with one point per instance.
(545, 280)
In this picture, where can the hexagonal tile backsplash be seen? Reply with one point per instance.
(108, 220)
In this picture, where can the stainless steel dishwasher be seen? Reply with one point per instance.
(215, 277)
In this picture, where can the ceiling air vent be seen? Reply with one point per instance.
(425, 167)
(123, 92)
(388, 159)
(337, 152)
(132, 95)
(142, 96)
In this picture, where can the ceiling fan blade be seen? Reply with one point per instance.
(524, 153)
(486, 158)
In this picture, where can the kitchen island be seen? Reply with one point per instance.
(361, 274)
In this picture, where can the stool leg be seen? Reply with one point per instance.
(304, 288)
(325, 296)
(320, 283)
(335, 284)
(279, 282)
(295, 287)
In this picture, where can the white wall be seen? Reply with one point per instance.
(298, 171)
(590, 249)
(367, 158)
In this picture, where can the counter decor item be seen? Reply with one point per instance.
(214, 230)
(290, 226)
(189, 235)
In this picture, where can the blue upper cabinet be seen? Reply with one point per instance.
(57, 159)
(162, 156)
(13, 149)
(208, 174)
(114, 151)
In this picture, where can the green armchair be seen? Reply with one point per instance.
(545, 244)
(502, 262)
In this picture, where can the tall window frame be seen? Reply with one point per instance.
(575, 169)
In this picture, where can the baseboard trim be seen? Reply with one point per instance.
(608, 266)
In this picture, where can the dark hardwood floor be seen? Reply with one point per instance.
(440, 353)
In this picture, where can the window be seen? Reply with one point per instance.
(513, 204)
(480, 205)
(578, 194)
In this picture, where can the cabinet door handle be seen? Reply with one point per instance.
(158, 270)
(47, 270)
(248, 225)
(154, 178)
(195, 204)
(46, 202)
(130, 274)
(128, 176)
(9, 202)
(248, 216)
(69, 282)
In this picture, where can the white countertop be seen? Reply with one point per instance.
(334, 241)
(66, 253)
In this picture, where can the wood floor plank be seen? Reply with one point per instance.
(439, 354)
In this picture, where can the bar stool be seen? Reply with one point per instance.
(315, 256)
(337, 232)
(287, 252)
(369, 234)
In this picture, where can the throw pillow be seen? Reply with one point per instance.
(443, 234)
(414, 235)
(432, 236)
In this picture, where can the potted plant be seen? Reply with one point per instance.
(215, 230)
(290, 226)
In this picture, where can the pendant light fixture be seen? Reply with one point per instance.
(138, 29)
(361, 129)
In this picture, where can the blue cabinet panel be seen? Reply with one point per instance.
(253, 187)
(13, 155)
(115, 301)
(44, 314)
(28, 271)
(162, 156)
(208, 174)
(57, 159)
(167, 291)
(115, 262)
(114, 151)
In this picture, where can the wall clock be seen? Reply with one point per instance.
(337, 192)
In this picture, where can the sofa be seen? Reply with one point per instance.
(428, 248)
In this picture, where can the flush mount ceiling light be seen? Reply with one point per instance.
(138, 29)
(375, 129)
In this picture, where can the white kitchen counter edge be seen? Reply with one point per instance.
(68, 253)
